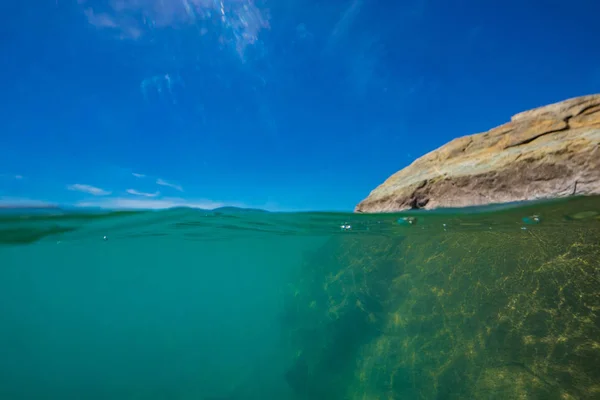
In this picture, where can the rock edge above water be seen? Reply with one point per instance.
(548, 152)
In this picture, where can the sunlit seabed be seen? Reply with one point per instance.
(496, 302)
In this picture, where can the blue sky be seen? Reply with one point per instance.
(277, 104)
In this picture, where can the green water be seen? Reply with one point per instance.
(185, 304)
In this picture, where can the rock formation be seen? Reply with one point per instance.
(548, 152)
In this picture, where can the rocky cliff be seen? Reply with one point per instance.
(548, 152)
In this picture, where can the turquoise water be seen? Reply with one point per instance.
(234, 304)
(148, 313)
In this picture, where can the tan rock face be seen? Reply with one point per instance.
(548, 152)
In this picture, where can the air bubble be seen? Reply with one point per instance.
(407, 221)
(532, 220)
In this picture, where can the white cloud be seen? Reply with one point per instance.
(162, 182)
(138, 175)
(137, 193)
(78, 187)
(119, 203)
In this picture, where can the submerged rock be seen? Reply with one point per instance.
(548, 152)
(467, 313)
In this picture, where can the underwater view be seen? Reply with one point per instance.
(299, 200)
(480, 303)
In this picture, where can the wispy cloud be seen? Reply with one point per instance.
(119, 203)
(20, 202)
(138, 175)
(162, 182)
(126, 27)
(100, 20)
(137, 193)
(346, 20)
(161, 83)
(95, 191)
(11, 176)
(241, 20)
